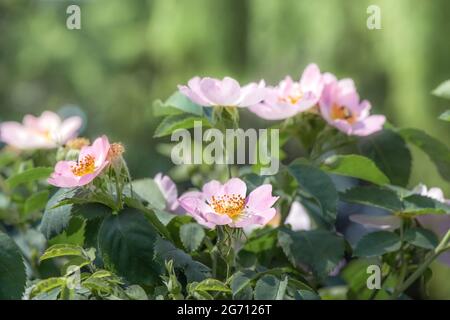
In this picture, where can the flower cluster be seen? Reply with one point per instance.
(337, 101)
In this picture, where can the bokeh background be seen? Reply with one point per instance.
(129, 53)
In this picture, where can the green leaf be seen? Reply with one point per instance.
(136, 292)
(416, 204)
(29, 175)
(355, 166)
(422, 238)
(179, 121)
(306, 295)
(377, 243)
(319, 186)
(148, 190)
(194, 270)
(443, 90)
(36, 202)
(126, 243)
(437, 151)
(47, 285)
(12, 269)
(56, 218)
(241, 284)
(390, 153)
(373, 196)
(355, 274)
(62, 250)
(319, 250)
(270, 288)
(175, 104)
(445, 116)
(191, 236)
(6, 157)
(212, 285)
(74, 233)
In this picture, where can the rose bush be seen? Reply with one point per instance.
(233, 233)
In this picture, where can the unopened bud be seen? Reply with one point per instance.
(115, 151)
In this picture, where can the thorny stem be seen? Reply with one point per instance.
(443, 246)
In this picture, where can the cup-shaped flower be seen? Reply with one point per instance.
(341, 107)
(290, 97)
(169, 191)
(91, 162)
(47, 131)
(228, 204)
(209, 92)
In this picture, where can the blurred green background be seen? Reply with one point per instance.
(129, 53)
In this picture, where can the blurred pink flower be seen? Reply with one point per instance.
(227, 204)
(169, 190)
(289, 97)
(298, 218)
(340, 107)
(91, 162)
(226, 92)
(44, 132)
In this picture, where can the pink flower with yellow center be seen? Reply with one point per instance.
(341, 107)
(228, 204)
(91, 162)
(290, 97)
(47, 131)
(209, 92)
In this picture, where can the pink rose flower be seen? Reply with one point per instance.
(340, 107)
(169, 191)
(45, 132)
(91, 162)
(289, 97)
(226, 93)
(227, 204)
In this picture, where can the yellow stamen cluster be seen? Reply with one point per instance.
(230, 204)
(115, 151)
(292, 99)
(77, 143)
(84, 166)
(343, 113)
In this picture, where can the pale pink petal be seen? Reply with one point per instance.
(311, 80)
(342, 125)
(211, 188)
(261, 199)
(369, 125)
(221, 93)
(168, 190)
(252, 94)
(251, 220)
(68, 129)
(235, 186)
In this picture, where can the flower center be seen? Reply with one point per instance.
(230, 204)
(84, 166)
(343, 113)
(292, 98)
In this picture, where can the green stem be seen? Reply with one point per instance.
(421, 269)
